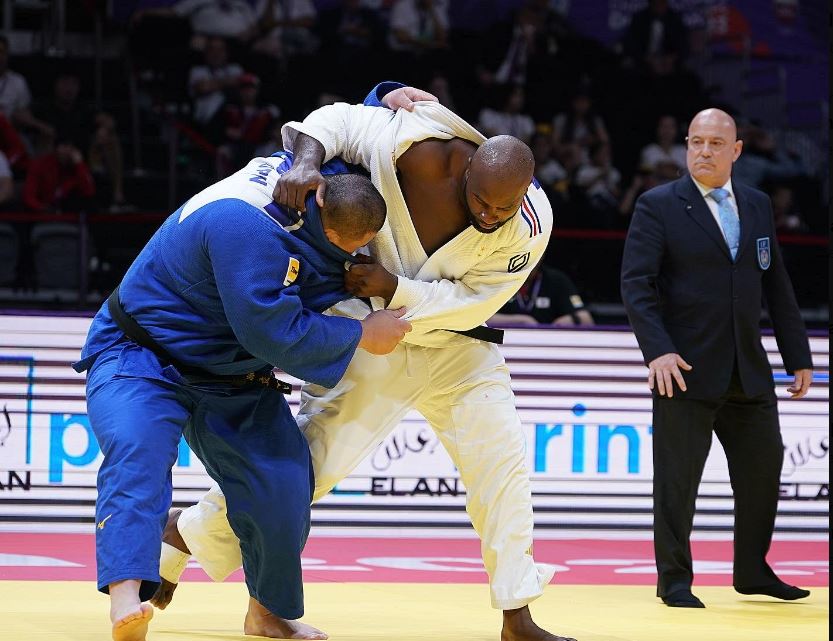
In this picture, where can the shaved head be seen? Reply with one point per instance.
(715, 117)
(496, 181)
(505, 157)
(713, 147)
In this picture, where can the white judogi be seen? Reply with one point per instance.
(461, 385)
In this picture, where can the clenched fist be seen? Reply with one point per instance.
(382, 330)
(372, 279)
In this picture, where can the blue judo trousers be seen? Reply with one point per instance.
(230, 284)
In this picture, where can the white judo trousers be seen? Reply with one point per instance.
(460, 385)
(465, 395)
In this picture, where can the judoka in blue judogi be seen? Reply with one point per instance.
(229, 287)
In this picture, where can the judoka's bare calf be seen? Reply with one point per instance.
(259, 621)
(517, 624)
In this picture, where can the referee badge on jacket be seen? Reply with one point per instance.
(291, 271)
(764, 254)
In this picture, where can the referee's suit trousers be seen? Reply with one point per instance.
(748, 430)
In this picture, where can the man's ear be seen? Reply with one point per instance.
(332, 236)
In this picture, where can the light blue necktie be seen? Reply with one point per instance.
(729, 220)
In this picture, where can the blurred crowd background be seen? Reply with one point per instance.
(113, 113)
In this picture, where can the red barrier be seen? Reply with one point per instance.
(147, 217)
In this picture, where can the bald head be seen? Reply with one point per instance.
(712, 147)
(716, 118)
(505, 158)
(497, 178)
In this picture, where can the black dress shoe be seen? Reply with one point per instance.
(779, 590)
(682, 599)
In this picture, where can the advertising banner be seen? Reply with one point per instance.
(581, 395)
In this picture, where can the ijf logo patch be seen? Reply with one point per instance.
(291, 271)
(764, 253)
(517, 263)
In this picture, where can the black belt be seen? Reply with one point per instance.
(481, 333)
(194, 375)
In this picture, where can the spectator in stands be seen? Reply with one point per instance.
(272, 143)
(353, 32)
(762, 161)
(439, 85)
(664, 170)
(509, 117)
(656, 36)
(351, 27)
(247, 124)
(288, 26)
(209, 84)
(666, 149)
(787, 217)
(580, 127)
(105, 159)
(75, 120)
(531, 39)
(599, 180)
(548, 297)
(15, 97)
(548, 170)
(69, 118)
(6, 182)
(418, 27)
(59, 181)
(232, 19)
(12, 146)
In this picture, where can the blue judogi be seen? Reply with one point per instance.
(230, 284)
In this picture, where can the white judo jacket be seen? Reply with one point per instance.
(468, 279)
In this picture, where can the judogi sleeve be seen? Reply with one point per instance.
(348, 131)
(251, 265)
(471, 300)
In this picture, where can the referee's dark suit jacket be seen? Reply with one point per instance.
(683, 293)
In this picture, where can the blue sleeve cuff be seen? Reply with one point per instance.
(374, 98)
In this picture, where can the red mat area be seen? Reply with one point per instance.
(71, 557)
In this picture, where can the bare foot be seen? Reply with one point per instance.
(260, 622)
(129, 616)
(519, 626)
(133, 626)
(170, 535)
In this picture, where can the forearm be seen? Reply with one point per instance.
(470, 301)
(24, 118)
(307, 151)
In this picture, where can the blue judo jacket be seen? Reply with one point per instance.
(232, 283)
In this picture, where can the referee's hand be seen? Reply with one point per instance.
(664, 370)
(801, 383)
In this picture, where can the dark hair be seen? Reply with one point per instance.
(353, 207)
(4, 40)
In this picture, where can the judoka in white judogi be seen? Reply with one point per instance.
(461, 385)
